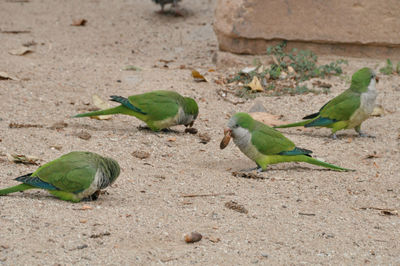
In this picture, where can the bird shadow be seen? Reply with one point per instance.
(123, 129)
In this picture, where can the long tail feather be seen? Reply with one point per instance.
(297, 124)
(111, 111)
(20, 187)
(323, 164)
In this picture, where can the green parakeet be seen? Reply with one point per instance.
(72, 177)
(265, 145)
(347, 110)
(158, 109)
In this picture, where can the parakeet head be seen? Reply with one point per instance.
(113, 169)
(239, 125)
(363, 79)
(243, 120)
(191, 108)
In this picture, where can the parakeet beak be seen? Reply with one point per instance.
(226, 139)
(376, 79)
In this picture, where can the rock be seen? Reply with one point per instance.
(341, 27)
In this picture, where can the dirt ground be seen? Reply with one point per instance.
(297, 214)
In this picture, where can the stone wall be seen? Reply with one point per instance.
(343, 27)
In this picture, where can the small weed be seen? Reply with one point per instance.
(389, 69)
(287, 72)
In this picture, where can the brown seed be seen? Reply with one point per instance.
(193, 237)
(226, 139)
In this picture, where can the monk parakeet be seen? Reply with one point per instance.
(265, 145)
(347, 110)
(158, 109)
(72, 177)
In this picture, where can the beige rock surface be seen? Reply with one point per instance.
(297, 214)
(340, 27)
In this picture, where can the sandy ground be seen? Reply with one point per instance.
(297, 214)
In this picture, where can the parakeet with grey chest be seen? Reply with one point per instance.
(347, 110)
(265, 145)
(72, 177)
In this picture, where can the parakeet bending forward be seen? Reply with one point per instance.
(265, 145)
(347, 110)
(72, 177)
(158, 109)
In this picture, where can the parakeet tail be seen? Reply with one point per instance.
(111, 111)
(323, 164)
(298, 124)
(20, 187)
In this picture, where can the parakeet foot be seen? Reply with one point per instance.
(333, 136)
(365, 135)
(94, 196)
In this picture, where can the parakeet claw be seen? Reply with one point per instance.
(364, 135)
(333, 136)
(95, 195)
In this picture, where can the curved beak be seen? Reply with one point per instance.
(376, 79)
(226, 138)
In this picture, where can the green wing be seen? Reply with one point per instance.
(73, 172)
(342, 107)
(158, 105)
(269, 141)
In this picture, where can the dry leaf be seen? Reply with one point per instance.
(321, 84)
(100, 103)
(4, 75)
(83, 221)
(15, 31)
(100, 235)
(378, 111)
(373, 155)
(233, 205)
(86, 207)
(255, 85)
(20, 51)
(198, 77)
(16, 125)
(79, 22)
(24, 159)
(171, 139)
(204, 138)
(389, 212)
(214, 239)
(141, 154)
(268, 119)
(247, 70)
(58, 125)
